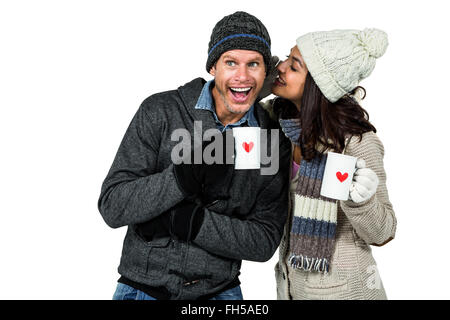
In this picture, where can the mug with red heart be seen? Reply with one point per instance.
(247, 148)
(338, 176)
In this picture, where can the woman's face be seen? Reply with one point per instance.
(291, 78)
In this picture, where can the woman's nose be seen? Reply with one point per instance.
(282, 66)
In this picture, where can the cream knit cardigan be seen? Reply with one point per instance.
(353, 273)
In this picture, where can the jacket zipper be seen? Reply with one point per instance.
(171, 227)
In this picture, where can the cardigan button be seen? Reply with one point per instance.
(284, 276)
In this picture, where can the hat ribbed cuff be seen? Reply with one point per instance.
(239, 42)
(237, 36)
(324, 80)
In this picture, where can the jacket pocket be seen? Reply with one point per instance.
(148, 258)
(327, 285)
(319, 286)
(157, 257)
(337, 290)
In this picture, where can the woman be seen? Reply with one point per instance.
(325, 251)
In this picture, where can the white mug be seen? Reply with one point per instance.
(338, 176)
(247, 148)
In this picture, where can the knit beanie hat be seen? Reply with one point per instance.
(338, 60)
(239, 30)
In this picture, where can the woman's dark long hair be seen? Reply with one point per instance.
(327, 123)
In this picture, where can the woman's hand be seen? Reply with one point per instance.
(364, 184)
(266, 89)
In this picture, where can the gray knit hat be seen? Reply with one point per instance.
(338, 60)
(239, 30)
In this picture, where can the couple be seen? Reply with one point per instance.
(191, 225)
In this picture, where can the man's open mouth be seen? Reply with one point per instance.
(240, 94)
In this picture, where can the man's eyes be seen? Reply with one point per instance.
(232, 64)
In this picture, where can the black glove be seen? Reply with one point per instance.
(181, 222)
(208, 182)
(186, 220)
(266, 89)
(155, 228)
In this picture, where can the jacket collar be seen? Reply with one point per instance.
(190, 93)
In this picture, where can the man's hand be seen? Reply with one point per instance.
(186, 220)
(181, 222)
(208, 180)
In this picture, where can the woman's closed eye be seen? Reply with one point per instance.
(291, 65)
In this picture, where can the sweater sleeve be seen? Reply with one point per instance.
(374, 219)
(257, 237)
(133, 191)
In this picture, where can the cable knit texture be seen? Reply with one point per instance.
(339, 59)
(353, 273)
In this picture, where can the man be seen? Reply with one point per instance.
(189, 226)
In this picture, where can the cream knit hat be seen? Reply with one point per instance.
(339, 59)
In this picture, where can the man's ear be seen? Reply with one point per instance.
(212, 71)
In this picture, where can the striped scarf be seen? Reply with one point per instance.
(314, 220)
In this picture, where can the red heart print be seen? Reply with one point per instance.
(248, 146)
(341, 177)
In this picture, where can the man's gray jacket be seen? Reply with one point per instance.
(141, 186)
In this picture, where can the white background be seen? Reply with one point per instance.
(73, 73)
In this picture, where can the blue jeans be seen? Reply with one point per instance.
(125, 292)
